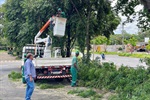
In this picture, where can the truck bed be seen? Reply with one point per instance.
(39, 62)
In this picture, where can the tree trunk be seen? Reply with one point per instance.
(88, 37)
(68, 42)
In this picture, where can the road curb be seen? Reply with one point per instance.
(3, 61)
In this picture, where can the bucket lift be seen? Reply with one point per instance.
(58, 30)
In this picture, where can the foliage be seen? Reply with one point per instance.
(127, 8)
(4, 41)
(135, 55)
(131, 41)
(99, 40)
(85, 19)
(126, 82)
(142, 35)
(148, 46)
(120, 48)
(146, 60)
(117, 38)
(14, 75)
(107, 53)
(96, 18)
(86, 93)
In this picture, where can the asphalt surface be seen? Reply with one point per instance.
(126, 61)
(119, 61)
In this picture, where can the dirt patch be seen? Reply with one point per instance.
(4, 56)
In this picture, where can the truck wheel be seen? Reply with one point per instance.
(59, 79)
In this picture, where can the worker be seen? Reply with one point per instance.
(74, 68)
(25, 57)
(30, 75)
(60, 13)
(23, 77)
(103, 56)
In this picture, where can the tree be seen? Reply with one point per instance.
(85, 20)
(99, 40)
(132, 41)
(148, 46)
(127, 8)
(117, 38)
(98, 19)
(142, 35)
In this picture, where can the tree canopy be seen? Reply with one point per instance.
(127, 8)
(85, 20)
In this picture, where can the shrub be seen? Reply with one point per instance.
(124, 81)
(120, 48)
(14, 75)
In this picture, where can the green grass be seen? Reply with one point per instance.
(89, 93)
(124, 54)
(134, 55)
(15, 76)
(107, 53)
(49, 86)
(1, 51)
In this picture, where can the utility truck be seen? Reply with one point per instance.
(48, 62)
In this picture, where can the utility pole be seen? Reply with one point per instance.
(123, 47)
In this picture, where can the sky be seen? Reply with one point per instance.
(2, 1)
(129, 27)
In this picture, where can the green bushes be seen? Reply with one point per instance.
(15, 75)
(125, 81)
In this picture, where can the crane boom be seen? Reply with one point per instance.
(42, 30)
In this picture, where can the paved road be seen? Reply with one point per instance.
(118, 60)
(127, 61)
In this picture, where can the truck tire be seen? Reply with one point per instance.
(59, 79)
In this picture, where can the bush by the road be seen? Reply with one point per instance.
(128, 83)
(14, 75)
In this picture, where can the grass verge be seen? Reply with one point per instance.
(1, 51)
(134, 55)
(107, 53)
(89, 93)
(15, 76)
(124, 54)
